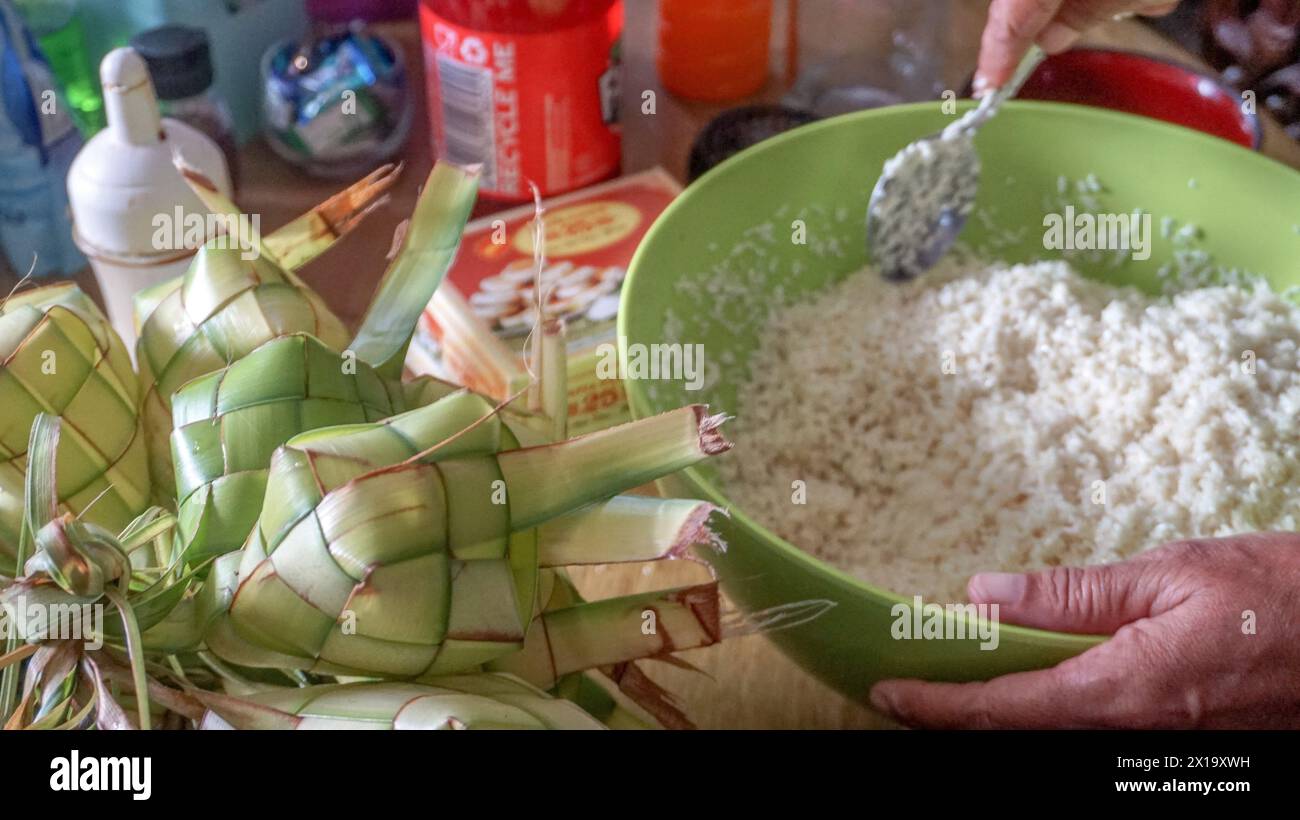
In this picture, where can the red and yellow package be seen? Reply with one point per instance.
(590, 238)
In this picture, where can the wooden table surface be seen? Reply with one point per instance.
(745, 682)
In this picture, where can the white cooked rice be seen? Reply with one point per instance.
(1064, 389)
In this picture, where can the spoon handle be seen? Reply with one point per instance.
(1011, 87)
(991, 103)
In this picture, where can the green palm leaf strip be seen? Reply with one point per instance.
(424, 254)
(68, 565)
(316, 231)
(310, 234)
(40, 506)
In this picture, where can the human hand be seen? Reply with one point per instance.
(1205, 636)
(1014, 25)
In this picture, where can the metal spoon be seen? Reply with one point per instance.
(926, 191)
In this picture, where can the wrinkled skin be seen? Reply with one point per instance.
(1180, 656)
(1056, 25)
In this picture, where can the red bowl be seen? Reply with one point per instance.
(1140, 84)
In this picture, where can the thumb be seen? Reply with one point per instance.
(1012, 27)
(1091, 600)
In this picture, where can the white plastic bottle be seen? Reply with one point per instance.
(127, 195)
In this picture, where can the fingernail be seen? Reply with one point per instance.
(880, 701)
(997, 587)
(1057, 37)
(980, 86)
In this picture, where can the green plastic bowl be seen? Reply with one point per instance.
(735, 227)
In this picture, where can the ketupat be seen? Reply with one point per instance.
(66, 686)
(350, 497)
(494, 618)
(230, 421)
(227, 304)
(485, 701)
(227, 425)
(222, 309)
(375, 557)
(59, 355)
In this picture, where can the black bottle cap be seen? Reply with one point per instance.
(179, 60)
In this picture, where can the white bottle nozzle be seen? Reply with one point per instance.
(129, 101)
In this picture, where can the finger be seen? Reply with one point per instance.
(1012, 27)
(1090, 600)
(1098, 689)
(1108, 686)
(1048, 698)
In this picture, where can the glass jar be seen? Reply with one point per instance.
(856, 54)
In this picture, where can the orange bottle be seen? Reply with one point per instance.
(714, 50)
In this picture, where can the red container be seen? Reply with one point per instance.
(528, 88)
(1140, 84)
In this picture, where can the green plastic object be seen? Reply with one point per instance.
(1246, 205)
(58, 29)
